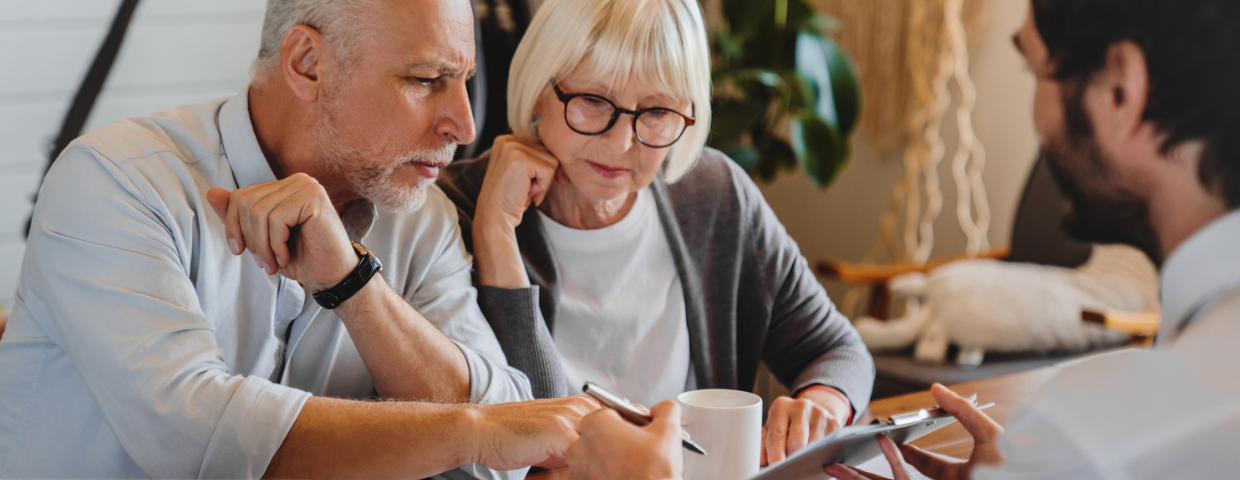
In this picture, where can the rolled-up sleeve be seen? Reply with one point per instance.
(114, 287)
(445, 295)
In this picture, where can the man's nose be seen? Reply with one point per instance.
(458, 119)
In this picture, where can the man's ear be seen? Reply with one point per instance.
(1123, 88)
(301, 61)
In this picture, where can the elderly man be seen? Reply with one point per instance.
(193, 276)
(1138, 112)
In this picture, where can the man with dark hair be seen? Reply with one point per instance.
(1138, 111)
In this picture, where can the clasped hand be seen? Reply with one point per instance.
(520, 172)
(290, 227)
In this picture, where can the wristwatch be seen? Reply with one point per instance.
(366, 267)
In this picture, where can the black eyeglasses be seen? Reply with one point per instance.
(590, 114)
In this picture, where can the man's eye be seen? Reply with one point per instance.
(423, 80)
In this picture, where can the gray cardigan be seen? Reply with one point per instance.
(749, 294)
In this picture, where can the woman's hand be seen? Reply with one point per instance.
(794, 423)
(985, 432)
(520, 172)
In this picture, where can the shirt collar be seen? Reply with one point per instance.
(249, 166)
(1201, 269)
(358, 217)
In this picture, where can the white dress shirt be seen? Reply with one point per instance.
(622, 308)
(140, 346)
(1173, 412)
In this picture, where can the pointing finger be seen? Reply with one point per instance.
(980, 426)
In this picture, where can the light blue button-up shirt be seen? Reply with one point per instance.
(140, 346)
(1173, 412)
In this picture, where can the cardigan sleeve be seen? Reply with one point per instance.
(514, 314)
(808, 340)
(518, 322)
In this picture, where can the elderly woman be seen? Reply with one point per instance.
(611, 246)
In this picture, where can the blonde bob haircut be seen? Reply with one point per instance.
(659, 44)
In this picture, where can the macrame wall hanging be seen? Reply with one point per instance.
(909, 54)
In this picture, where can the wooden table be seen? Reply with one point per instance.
(1008, 392)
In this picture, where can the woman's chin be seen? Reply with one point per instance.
(601, 190)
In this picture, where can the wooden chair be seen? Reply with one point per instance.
(1037, 237)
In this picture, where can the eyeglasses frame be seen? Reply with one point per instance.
(615, 114)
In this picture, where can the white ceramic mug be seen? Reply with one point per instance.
(728, 425)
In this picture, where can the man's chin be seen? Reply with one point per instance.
(1120, 222)
(400, 199)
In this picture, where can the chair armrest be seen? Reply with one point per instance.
(1138, 324)
(865, 274)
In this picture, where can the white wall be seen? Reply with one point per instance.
(176, 51)
(842, 221)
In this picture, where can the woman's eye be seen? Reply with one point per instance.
(595, 102)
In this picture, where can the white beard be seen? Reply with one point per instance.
(372, 178)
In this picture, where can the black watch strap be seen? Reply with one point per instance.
(366, 267)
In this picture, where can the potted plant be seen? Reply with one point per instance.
(785, 93)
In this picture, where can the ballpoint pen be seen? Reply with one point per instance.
(628, 412)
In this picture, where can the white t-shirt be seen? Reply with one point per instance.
(622, 309)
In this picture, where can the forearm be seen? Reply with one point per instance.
(406, 356)
(523, 334)
(497, 256)
(348, 439)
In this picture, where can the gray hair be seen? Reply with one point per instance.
(342, 23)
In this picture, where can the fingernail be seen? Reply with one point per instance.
(234, 246)
(259, 262)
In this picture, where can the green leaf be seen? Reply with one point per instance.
(731, 121)
(747, 16)
(740, 74)
(746, 157)
(829, 76)
(821, 150)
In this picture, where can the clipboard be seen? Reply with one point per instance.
(858, 444)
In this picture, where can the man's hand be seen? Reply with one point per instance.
(612, 448)
(538, 432)
(792, 424)
(290, 227)
(985, 432)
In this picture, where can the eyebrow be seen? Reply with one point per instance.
(446, 69)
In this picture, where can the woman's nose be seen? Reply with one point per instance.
(621, 135)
